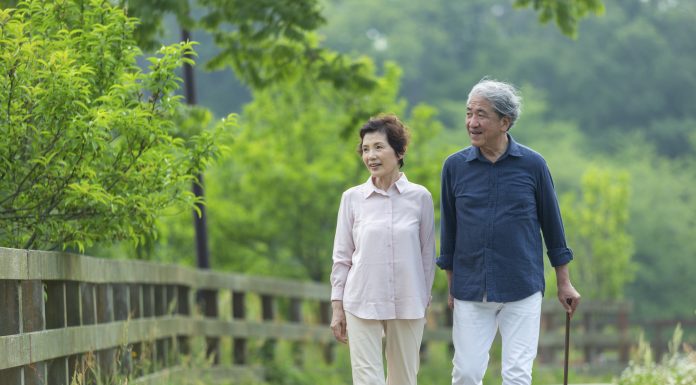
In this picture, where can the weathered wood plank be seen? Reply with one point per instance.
(45, 265)
(49, 344)
(20, 346)
(272, 286)
(595, 340)
(13, 264)
(9, 303)
(46, 345)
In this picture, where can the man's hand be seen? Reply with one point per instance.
(450, 301)
(567, 295)
(338, 322)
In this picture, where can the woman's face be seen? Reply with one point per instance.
(379, 157)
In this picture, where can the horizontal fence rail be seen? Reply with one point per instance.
(61, 311)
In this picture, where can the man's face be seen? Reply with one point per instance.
(486, 129)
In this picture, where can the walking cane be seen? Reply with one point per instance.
(567, 344)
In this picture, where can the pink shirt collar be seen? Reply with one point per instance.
(369, 188)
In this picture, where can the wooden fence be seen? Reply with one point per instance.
(61, 313)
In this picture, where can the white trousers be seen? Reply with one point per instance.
(402, 350)
(474, 327)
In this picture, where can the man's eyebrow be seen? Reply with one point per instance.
(480, 109)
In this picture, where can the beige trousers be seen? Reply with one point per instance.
(403, 339)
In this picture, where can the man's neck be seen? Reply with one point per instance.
(493, 153)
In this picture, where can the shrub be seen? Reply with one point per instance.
(678, 367)
(87, 152)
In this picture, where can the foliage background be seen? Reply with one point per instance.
(609, 110)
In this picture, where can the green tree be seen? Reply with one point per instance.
(597, 229)
(87, 152)
(639, 81)
(565, 13)
(275, 197)
(263, 41)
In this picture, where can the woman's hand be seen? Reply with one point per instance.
(338, 322)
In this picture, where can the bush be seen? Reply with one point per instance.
(678, 367)
(87, 152)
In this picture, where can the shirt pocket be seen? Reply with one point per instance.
(518, 203)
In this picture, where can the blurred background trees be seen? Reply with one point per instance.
(610, 109)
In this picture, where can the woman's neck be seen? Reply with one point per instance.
(385, 182)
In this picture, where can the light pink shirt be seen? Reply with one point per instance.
(384, 251)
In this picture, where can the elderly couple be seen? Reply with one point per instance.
(497, 201)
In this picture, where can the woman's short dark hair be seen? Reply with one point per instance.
(395, 131)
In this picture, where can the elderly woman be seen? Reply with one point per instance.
(383, 261)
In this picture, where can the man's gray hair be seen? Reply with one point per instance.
(504, 98)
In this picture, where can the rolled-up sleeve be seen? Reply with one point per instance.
(343, 249)
(549, 214)
(448, 220)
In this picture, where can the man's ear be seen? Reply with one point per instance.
(507, 122)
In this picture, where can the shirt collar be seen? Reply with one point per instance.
(513, 149)
(369, 188)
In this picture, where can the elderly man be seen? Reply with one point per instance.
(497, 200)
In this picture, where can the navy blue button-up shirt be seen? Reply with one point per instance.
(492, 218)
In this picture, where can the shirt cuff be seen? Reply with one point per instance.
(444, 262)
(337, 294)
(560, 256)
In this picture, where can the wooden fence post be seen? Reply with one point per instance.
(34, 319)
(147, 349)
(12, 376)
(121, 302)
(268, 314)
(161, 344)
(10, 324)
(172, 309)
(295, 315)
(325, 319)
(122, 298)
(183, 309)
(87, 316)
(546, 353)
(623, 324)
(135, 311)
(59, 369)
(207, 300)
(239, 313)
(588, 323)
(105, 314)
